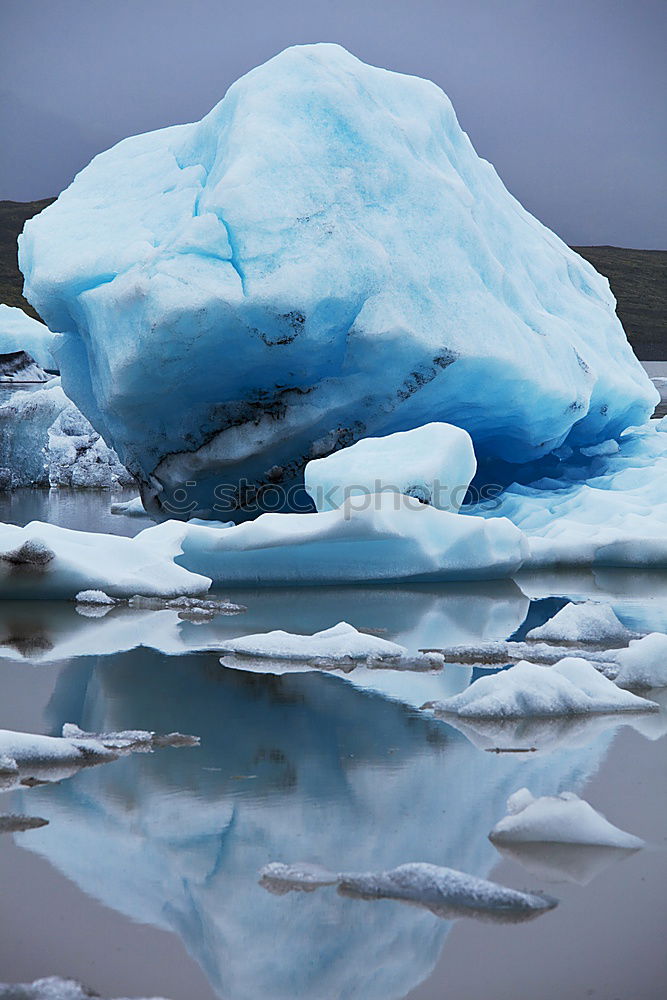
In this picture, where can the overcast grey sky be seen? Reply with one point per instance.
(568, 98)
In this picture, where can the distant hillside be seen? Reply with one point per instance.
(13, 217)
(638, 279)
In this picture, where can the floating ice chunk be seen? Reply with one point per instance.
(20, 367)
(383, 541)
(25, 419)
(25, 757)
(300, 877)
(589, 622)
(44, 561)
(94, 597)
(434, 464)
(129, 740)
(76, 455)
(51, 988)
(341, 642)
(561, 819)
(447, 893)
(644, 663)
(571, 687)
(255, 235)
(20, 332)
(562, 862)
(129, 508)
(193, 607)
(46, 441)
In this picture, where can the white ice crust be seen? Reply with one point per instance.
(434, 464)
(558, 819)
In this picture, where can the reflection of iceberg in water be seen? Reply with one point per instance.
(301, 767)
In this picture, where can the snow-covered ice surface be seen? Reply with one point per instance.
(561, 819)
(26, 757)
(46, 441)
(340, 642)
(44, 561)
(49, 988)
(433, 464)
(443, 891)
(570, 687)
(644, 663)
(369, 539)
(326, 221)
(20, 332)
(583, 623)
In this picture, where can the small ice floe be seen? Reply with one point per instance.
(559, 819)
(643, 664)
(188, 607)
(340, 648)
(19, 824)
(445, 892)
(51, 988)
(584, 623)
(130, 740)
(95, 604)
(26, 758)
(571, 687)
(299, 877)
(416, 463)
(130, 508)
(44, 561)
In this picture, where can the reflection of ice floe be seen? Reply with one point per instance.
(561, 819)
(446, 893)
(546, 735)
(51, 988)
(563, 862)
(409, 616)
(19, 824)
(570, 687)
(296, 766)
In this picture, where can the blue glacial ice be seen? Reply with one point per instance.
(323, 257)
(605, 510)
(46, 441)
(20, 332)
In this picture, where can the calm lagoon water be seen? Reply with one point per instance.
(144, 882)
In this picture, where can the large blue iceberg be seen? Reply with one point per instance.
(323, 257)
